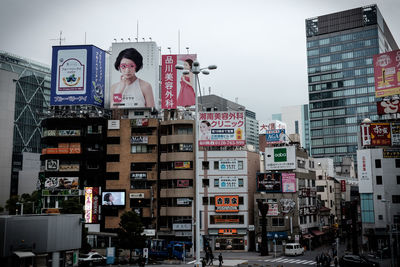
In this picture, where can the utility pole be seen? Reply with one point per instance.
(263, 208)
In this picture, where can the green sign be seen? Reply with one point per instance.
(280, 155)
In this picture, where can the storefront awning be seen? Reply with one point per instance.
(317, 232)
(24, 254)
(307, 236)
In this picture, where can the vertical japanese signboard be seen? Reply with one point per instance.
(288, 182)
(387, 73)
(364, 166)
(221, 129)
(91, 204)
(395, 134)
(78, 75)
(177, 89)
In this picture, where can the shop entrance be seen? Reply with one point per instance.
(229, 243)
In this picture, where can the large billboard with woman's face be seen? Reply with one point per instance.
(177, 89)
(134, 72)
(113, 198)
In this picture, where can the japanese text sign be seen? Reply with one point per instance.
(226, 203)
(387, 73)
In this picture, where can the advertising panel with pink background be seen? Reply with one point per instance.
(387, 73)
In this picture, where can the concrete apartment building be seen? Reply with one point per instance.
(176, 184)
(228, 186)
(132, 167)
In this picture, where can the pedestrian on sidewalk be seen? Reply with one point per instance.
(317, 260)
(211, 258)
(335, 261)
(220, 259)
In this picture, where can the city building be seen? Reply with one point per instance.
(228, 186)
(217, 103)
(177, 173)
(25, 96)
(132, 168)
(289, 187)
(379, 187)
(340, 49)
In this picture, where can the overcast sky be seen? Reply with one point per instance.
(259, 46)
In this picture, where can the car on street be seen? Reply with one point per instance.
(293, 249)
(355, 261)
(91, 259)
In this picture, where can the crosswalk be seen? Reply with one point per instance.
(289, 260)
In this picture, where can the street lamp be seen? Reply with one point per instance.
(196, 70)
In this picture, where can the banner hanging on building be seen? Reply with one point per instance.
(269, 182)
(387, 73)
(78, 75)
(388, 107)
(134, 75)
(276, 136)
(177, 89)
(222, 129)
(288, 182)
(364, 167)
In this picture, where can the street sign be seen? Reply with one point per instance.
(110, 252)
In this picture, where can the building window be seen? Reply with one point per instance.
(113, 140)
(367, 208)
(378, 179)
(380, 217)
(212, 200)
(379, 197)
(331, 203)
(240, 164)
(113, 158)
(185, 131)
(278, 222)
(216, 182)
(396, 199)
(378, 164)
(396, 219)
(397, 163)
(398, 179)
(205, 200)
(320, 189)
(330, 189)
(139, 149)
(206, 182)
(205, 165)
(93, 165)
(216, 165)
(241, 200)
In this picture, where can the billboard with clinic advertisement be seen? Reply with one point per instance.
(77, 76)
(134, 75)
(91, 204)
(387, 73)
(177, 89)
(222, 129)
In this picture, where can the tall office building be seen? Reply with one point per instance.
(25, 94)
(340, 48)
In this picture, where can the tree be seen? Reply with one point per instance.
(130, 233)
(71, 206)
(11, 205)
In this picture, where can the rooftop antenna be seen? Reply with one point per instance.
(60, 39)
(85, 37)
(144, 40)
(122, 39)
(137, 31)
(115, 39)
(169, 48)
(187, 49)
(236, 99)
(209, 90)
(150, 39)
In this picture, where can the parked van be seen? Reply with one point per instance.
(293, 249)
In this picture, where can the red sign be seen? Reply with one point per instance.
(343, 185)
(387, 73)
(227, 231)
(168, 82)
(182, 183)
(380, 134)
(388, 107)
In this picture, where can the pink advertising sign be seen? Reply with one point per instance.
(288, 182)
(387, 73)
(177, 89)
(221, 129)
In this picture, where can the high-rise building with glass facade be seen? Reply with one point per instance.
(29, 101)
(340, 48)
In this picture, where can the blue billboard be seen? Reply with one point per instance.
(275, 136)
(77, 75)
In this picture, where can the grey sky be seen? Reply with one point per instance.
(258, 45)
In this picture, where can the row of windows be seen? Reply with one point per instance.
(342, 47)
(342, 93)
(206, 165)
(335, 140)
(333, 150)
(346, 102)
(378, 165)
(343, 38)
(335, 131)
(341, 65)
(339, 84)
(339, 75)
(343, 56)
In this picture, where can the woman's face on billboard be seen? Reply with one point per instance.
(127, 68)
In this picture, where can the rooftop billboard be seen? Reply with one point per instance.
(177, 89)
(134, 72)
(280, 158)
(222, 129)
(77, 75)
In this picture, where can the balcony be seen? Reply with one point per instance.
(177, 174)
(176, 139)
(176, 211)
(177, 192)
(177, 156)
